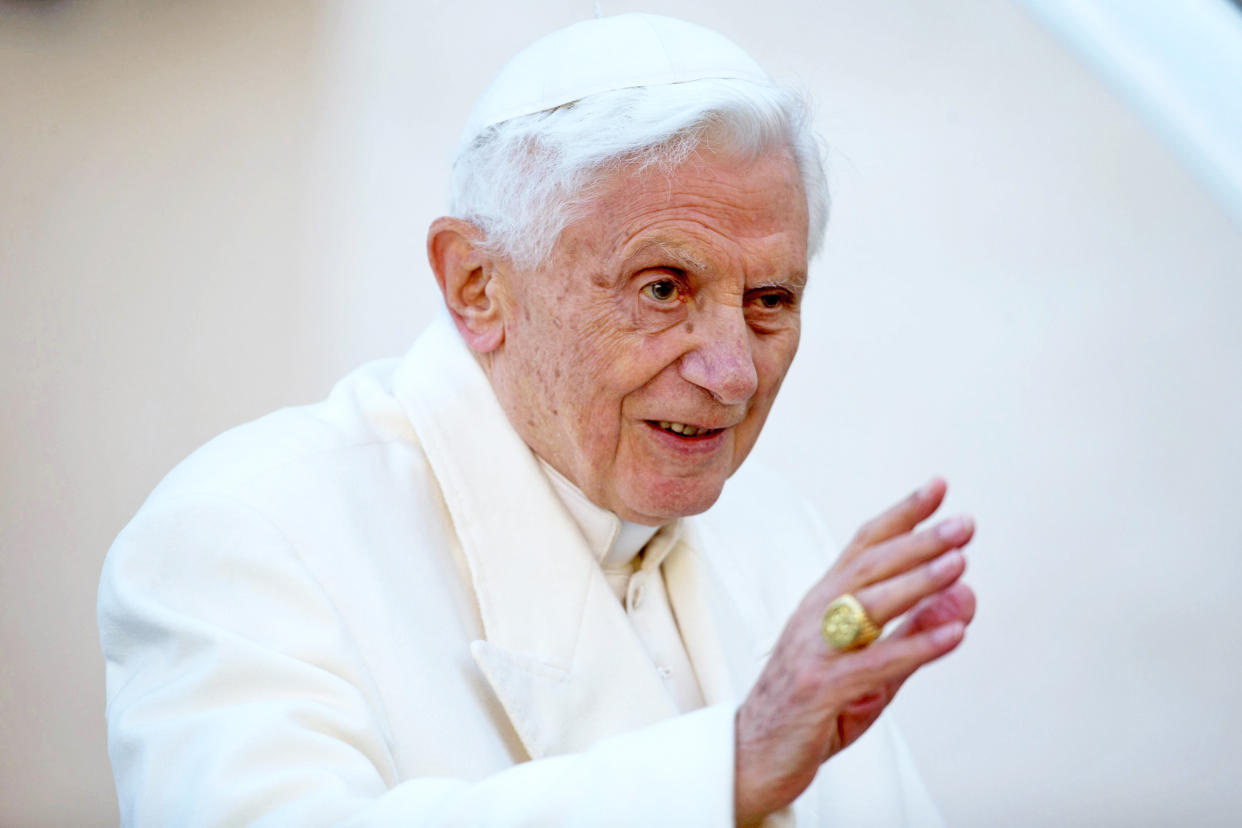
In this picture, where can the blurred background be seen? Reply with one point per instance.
(1031, 285)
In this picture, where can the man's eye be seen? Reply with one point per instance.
(661, 291)
(772, 300)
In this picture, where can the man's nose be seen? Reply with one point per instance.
(721, 361)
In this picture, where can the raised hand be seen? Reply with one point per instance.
(812, 700)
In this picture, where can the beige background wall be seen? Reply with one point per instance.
(208, 210)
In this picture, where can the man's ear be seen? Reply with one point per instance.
(464, 272)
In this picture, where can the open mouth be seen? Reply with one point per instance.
(683, 430)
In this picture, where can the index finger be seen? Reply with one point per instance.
(898, 519)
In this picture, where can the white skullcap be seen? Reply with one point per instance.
(602, 55)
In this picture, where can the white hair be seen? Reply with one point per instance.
(522, 181)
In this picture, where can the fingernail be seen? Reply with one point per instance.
(948, 633)
(946, 562)
(954, 528)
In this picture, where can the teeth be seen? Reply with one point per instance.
(683, 429)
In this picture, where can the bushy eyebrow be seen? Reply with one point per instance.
(680, 257)
(669, 254)
(796, 281)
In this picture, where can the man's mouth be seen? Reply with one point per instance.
(683, 430)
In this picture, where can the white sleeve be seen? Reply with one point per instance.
(235, 697)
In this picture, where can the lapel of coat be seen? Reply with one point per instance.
(722, 637)
(558, 650)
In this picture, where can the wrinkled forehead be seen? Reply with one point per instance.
(704, 214)
(750, 191)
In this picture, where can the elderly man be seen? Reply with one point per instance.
(467, 588)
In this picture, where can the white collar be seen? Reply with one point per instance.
(614, 542)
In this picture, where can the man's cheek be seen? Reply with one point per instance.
(773, 362)
(601, 361)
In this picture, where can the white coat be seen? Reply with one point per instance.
(376, 611)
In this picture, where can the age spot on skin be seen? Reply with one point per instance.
(689, 327)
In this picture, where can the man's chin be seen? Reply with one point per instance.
(663, 501)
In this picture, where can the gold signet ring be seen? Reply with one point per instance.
(847, 626)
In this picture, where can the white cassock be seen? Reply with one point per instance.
(380, 610)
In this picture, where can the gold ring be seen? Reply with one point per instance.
(847, 626)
